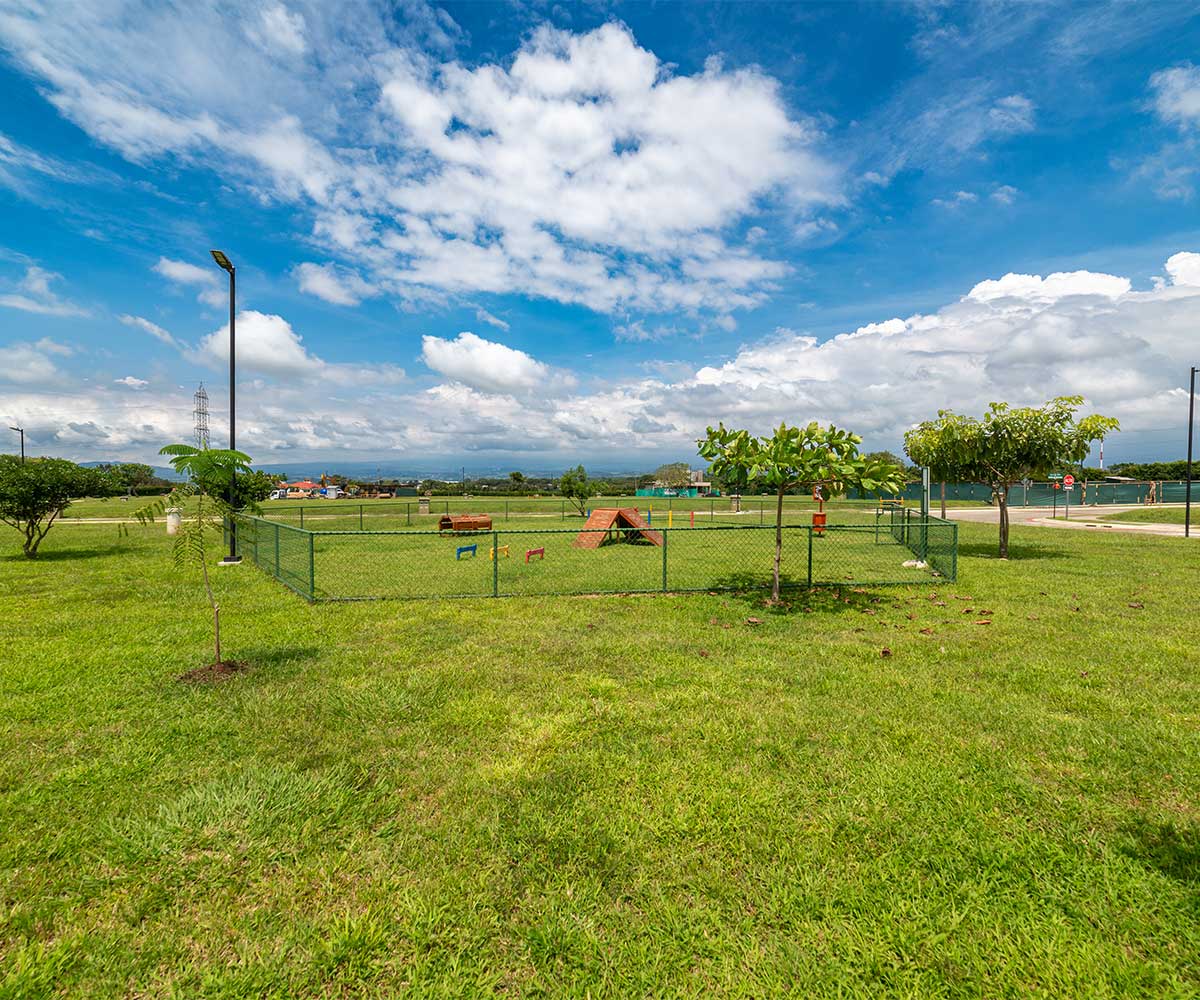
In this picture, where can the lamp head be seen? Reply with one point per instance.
(222, 261)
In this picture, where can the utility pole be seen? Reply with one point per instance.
(1187, 504)
(224, 264)
(21, 431)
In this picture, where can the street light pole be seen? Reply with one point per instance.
(21, 431)
(226, 265)
(1187, 504)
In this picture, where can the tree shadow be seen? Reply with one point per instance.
(796, 596)
(260, 657)
(1171, 849)
(60, 555)
(983, 550)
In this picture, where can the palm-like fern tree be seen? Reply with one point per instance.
(204, 500)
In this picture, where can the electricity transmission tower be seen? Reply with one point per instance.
(200, 416)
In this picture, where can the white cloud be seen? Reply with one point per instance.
(1184, 269)
(957, 200)
(581, 169)
(35, 295)
(31, 363)
(333, 284)
(146, 326)
(1060, 285)
(1005, 194)
(278, 29)
(1012, 114)
(1171, 169)
(483, 364)
(182, 273)
(1177, 95)
(129, 381)
(1020, 338)
(486, 317)
(266, 343)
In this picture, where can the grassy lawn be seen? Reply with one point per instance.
(1158, 515)
(406, 509)
(603, 796)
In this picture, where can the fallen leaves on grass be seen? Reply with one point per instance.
(983, 621)
(1136, 604)
(754, 621)
(885, 652)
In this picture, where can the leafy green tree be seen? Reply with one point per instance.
(34, 494)
(1007, 445)
(251, 488)
(516, 480)
(674, 475)
(130, 475)
(888, 457)
(205, 501)
(575, 486)
(796, 457)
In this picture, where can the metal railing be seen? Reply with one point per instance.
(899, 547)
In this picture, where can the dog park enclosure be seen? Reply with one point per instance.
(893, 546)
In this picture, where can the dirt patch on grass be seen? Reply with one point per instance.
(213, 672)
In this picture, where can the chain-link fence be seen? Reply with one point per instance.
(888, 547)
(1048, 494)
(364, 515)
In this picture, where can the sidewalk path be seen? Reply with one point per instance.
(1080, 519)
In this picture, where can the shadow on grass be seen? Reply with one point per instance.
(63, 555)
(981, 550)
(796, 597)
(1171, 849)
(260, 657)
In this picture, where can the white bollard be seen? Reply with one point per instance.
(174, 519)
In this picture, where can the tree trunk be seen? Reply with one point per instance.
(778, 544)
(943, 499)
(216, 611)
(1002, 496)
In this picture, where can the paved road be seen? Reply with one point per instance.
(1081, 520)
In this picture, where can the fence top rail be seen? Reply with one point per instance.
(707, 528)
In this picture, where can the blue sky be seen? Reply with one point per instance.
(528, 234)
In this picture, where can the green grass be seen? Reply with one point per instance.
(407, 509)
(620, 796)
(1157, 515)
(344, 563)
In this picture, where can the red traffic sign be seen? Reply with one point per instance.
(1068, 480)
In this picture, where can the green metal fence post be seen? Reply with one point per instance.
(564, 509)
(277, 549)
(312, 566)
(506, 510)
(810, 534)
(360, 527)
(495, 564)
(408, 515)
(664, 548)
(302, 515)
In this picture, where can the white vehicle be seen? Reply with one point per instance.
(278, 495)
(332, 493)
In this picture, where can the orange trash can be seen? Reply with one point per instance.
(819, 522)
